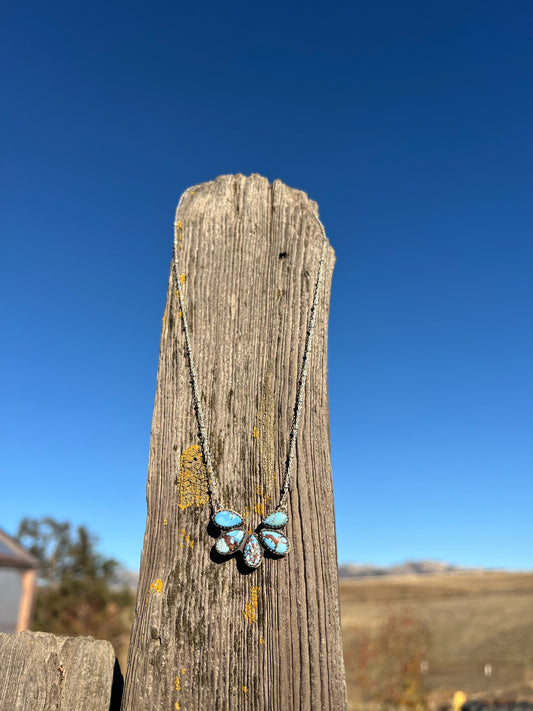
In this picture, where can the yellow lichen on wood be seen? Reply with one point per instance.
(262, 500)
(260, 509)
(177, 686)
(193, 486)
(178, 227)
(261, 641)
(183, 278)
(156, 587)
(255, 432)
(186, 539)
(165, 521)
(244, 690)
(250, 606)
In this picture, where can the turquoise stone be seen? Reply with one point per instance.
(252, 552)
(276, 519)
(275, 542)
(229, 541)
(227, 519)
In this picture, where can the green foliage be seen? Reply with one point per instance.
(64, 556)
(76, 594)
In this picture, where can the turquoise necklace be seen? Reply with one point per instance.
(269, 535)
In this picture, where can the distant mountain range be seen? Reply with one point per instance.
(130, 578)
(411, 567)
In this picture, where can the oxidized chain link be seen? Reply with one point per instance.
(303, 377)
(213, 482)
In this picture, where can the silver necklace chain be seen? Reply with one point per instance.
(212, 479)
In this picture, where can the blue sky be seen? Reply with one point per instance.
(409, 123)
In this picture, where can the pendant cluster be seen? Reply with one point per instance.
(234, 538)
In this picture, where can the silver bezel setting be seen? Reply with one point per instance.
(267, 548)
(233, 525)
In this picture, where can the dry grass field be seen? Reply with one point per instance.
(429, 636)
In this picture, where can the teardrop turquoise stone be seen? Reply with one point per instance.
(229, 541)
(276, 519)
(227, 519)
(275, 542)
(252, 552)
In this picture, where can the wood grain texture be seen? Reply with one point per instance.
(210, 634)
(42, 672)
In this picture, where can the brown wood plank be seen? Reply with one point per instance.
(42, 672)
(209, 635)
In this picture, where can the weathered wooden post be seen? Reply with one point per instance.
(209, 633)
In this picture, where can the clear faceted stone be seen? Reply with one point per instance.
(252, 552)
(227, 519)
(275, 542)
(276, 519)
(228, 542)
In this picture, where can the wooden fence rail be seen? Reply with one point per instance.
(42, 672)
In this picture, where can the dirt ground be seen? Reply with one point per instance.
(474, 633)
